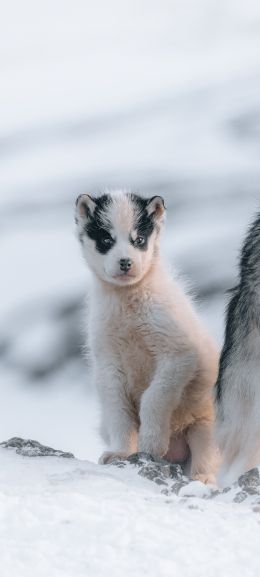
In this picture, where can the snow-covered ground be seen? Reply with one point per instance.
(162, 96)
(70, 518)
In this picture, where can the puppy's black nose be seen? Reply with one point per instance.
(125, 264)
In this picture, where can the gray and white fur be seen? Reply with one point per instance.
(237, 391)
(154, 363)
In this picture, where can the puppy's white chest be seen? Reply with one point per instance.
(136, 360)
(120, 336)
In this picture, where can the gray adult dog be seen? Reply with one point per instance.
(237, 391)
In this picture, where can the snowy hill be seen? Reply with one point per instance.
(68, 518)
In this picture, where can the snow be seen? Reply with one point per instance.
(162, 96)
(64, 518)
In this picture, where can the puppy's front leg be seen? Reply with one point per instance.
(204, 457)
(118, 419)
(160, 399)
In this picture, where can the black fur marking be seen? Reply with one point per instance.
(144, 223)
(228, 343)
(243, 312)
(95, 228)
(100, 233)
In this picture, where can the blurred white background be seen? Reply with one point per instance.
(159, 95)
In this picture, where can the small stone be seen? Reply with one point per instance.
(157, 470)
(118, 462)
(139, 458)
(240, 497)
(176, 487)
(250, 482)
(159, 481)
(176, 471)
(214, 494)
(152, 472)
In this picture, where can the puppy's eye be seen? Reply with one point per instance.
(107, 241)
(139, 241)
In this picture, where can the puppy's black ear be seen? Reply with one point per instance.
(85, 206)
(156, 208)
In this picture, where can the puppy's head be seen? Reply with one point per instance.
(119, 234)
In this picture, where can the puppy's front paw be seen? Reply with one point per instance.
(155, 445)
(110, 456)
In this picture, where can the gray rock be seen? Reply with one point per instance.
(168, 469)
(176, 487)
(137, 459)
(214, 493)
(30, 448)
(250, 482)
(140, 458)
(176, 472)
(159, 471)
(240, 497)
(153, 473)
(226, 490)
(160, 466)
(172, 479)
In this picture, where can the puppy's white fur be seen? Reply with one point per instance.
(154, 363)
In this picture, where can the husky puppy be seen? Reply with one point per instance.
(238, 385)
(154, 364)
